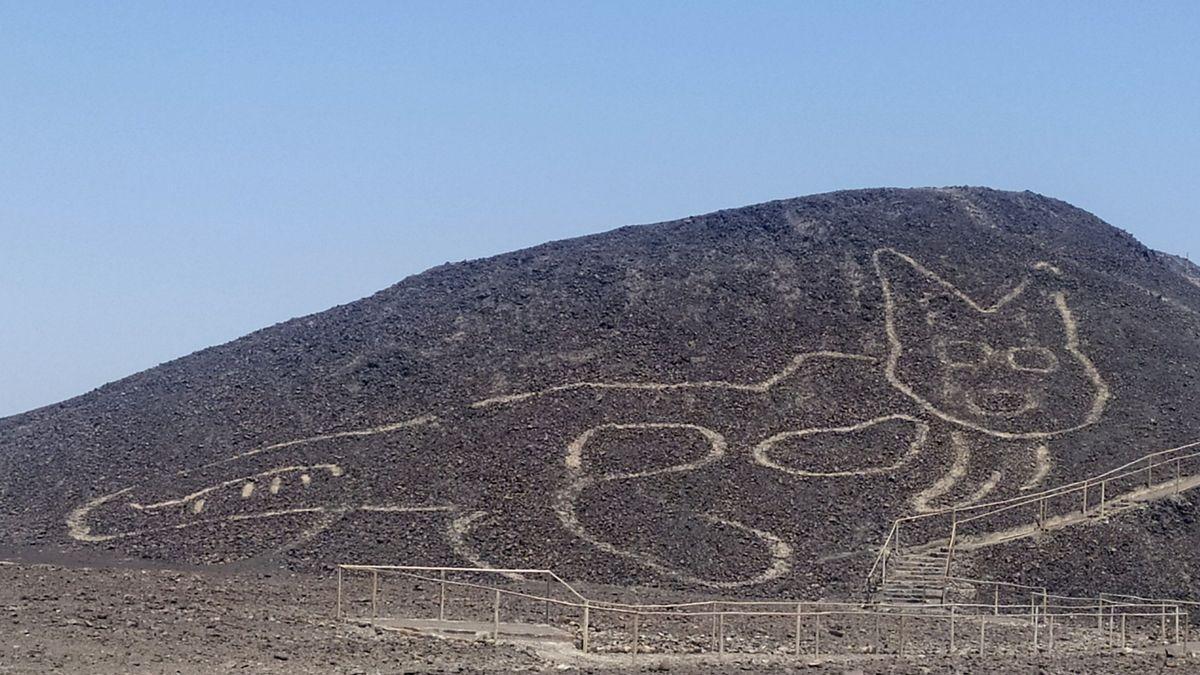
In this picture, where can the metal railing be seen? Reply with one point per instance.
(1096, 494)
(781, 627)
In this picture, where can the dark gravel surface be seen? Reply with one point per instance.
(73, 620)
(84, 621)
(732, 296)
(1151, 552)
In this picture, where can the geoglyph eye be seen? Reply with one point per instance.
(963, 352)
(1032, 359)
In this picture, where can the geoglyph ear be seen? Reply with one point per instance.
(919, 304)
(907, 283)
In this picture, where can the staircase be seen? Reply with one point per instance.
(916, 578)
(918, 575)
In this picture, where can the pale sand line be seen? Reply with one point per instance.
(370, 431)
(81, 530)
(1043, 464)
(247, 489)
(943, 485)
(78, 528)
(717, 448)
(781, 552)
(757, 387)
(456, 535)
(762, 450)
(404, 509)
(1099, 401)
(982, 491)
(566, 499)
(1118, 504)
(976, 214)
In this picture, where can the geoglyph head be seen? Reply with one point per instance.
(1010, 369)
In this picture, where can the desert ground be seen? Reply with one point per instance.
(67, 618)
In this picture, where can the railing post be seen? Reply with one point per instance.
(721, 634)
(1177, 624)
(951, 630)
(982, 624)
(713, 618)
(636, 616)
(547, 602)
(1050, 630)
(374, 594)
(996, 600)
(1178, 479)
(1164, 623)
(496, 617)
(1033, 618)
(1149, 472)
(338, 615)
(817, 634)
(1103, 485)
(949, 554)
(586, 624)
(1042, 513)
(442, 598)
(798, 629)
(1085, 487)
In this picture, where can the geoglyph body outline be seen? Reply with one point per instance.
(781, 552)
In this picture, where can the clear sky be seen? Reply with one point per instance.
(174, 175)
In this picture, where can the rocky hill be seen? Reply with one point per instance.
(739, 402)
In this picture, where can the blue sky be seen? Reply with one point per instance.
(178, 174)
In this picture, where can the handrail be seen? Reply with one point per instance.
(482, 570)
(1010, 584)
(1164, 601)
(979, 611)
(1079, 487)
(882, 551)
(1056, 491)
(1144, 463)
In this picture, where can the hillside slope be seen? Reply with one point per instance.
(739, 401)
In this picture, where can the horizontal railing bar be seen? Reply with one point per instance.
(1166, 601)
(1132, 468)
(839, 609)
(420, 568)
(1062, 489)
(485, 570)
